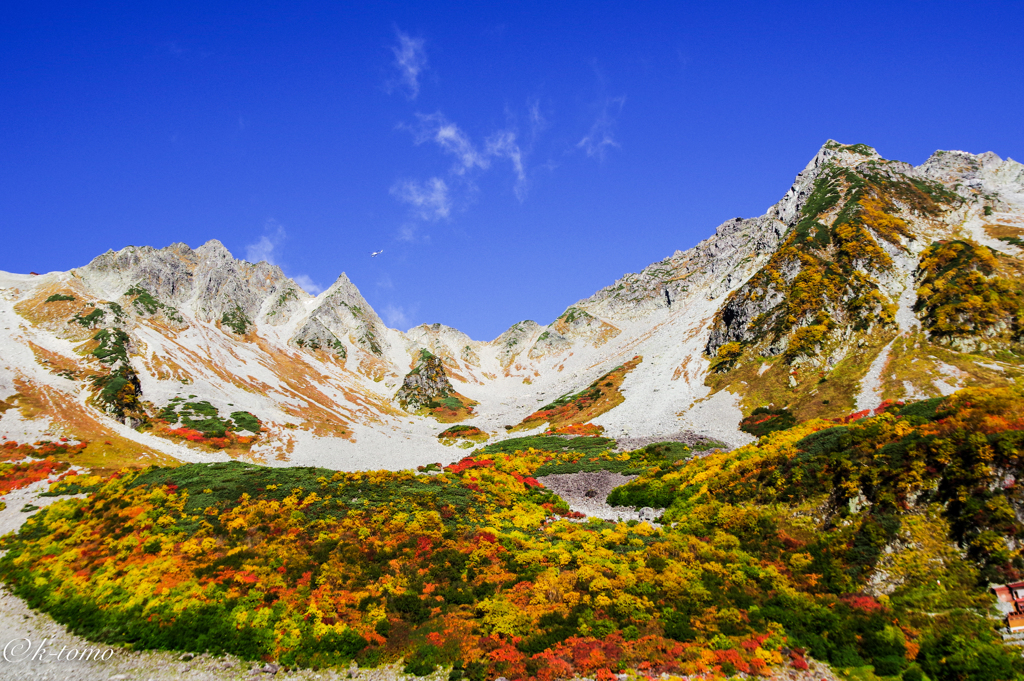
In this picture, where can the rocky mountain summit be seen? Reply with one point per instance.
(870, 279)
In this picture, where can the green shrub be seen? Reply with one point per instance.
(913, 674)
(550, 443)
(423, 661)
(412, 608)
(58, 297)
(112, 346)
(144, 301)
(245, 421)
(236, 320)
(587, 466)
(64, 487)
(91, 319)
(764, 420)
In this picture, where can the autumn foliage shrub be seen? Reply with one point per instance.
(767, 555)
(573, 408)
(463, 433)
(764, 420)
(577, 429)
(17, 475)
(968, 290)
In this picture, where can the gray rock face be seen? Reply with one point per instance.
(445, 341)
(973, 175)
(737, 320)
(514, 341)
(958, 170)
(345, 312)
(426, 383)
(206, 281)
(313, 335)
(284, 306)
(550, 343)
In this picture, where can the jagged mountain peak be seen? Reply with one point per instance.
(343, 313)
(341, 282)
(206, 282)
(344, 292)
(856, 277)
(970, 174)
(214, 248)
(860, 257)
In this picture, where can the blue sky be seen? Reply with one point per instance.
(509, 158)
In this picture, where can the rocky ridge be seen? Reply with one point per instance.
(854, 261)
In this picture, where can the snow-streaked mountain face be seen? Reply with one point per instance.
(870, 279)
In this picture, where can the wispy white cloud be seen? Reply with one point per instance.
(436, 128)
(410, 233)
(537, 121)
(267, 249)
(263, 249)
(601, 136)
(407, 233)
(503, 144)
(308, 285)
(396, 316)
(411, 61)
(435, 198)
(454, 141)
(429, 200)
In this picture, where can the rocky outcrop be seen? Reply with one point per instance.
(138, 301)
(550, 342)
(426, 383)
(313, 335)
(973, 175)
(444, 341)
(577, 324)
(515, 341)
(345, 313)
(282, 307)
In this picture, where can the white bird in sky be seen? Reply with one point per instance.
(376, 253)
